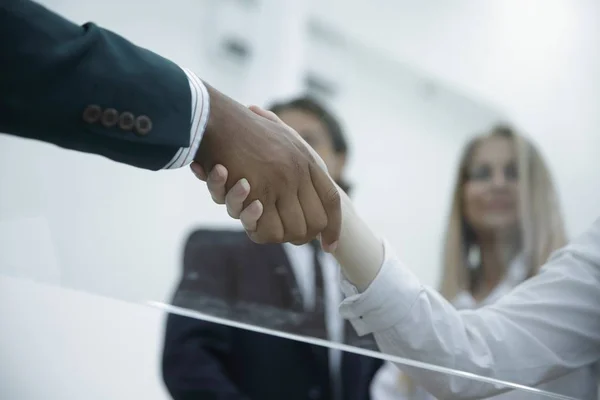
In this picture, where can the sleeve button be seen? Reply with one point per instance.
(92, 114)
(126, 121)
(143, 125)
(110, 117)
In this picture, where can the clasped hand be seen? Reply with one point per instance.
(298, 200)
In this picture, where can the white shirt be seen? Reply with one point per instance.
(387, 384)
(199, 118)
(547, 328)
(301, 260)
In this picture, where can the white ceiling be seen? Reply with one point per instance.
(492, 49)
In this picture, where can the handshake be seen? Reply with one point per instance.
(267, 176)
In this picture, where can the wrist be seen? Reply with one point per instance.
(349, 218)
(215, 131)
(360, 252)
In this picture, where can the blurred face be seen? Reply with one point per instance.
(491, 192)
(316, 135)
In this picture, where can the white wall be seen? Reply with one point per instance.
(102, 236)
(537, 60)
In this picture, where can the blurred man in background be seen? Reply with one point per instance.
(281, 286)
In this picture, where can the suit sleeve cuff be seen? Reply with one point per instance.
(387, 300)
(200, 112)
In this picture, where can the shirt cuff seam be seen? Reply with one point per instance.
(200, 105)
(371, 321)
(365, 310)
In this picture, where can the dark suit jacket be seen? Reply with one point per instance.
(227, 275)
(52, 71)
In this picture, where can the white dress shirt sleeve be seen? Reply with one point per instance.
(545, 328)
(200, 112)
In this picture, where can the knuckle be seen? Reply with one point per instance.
(276, 237)
(302, 232)
(269, 237)
(217, 199)
(321, 225)
(289, 172)
(248, 220)
(267, 195)
(316, 225)
(267, 190)
(298, 235)
(332, 197)
(232, 213)
(311, 234)
(246, 223)
(255, 237)
(233, 203)
(264, 235)
(213, 187)
(297, 167)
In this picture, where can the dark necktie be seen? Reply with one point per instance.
(318, 324)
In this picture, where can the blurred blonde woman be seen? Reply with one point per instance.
(504, 222)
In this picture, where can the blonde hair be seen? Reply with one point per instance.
(542, 227)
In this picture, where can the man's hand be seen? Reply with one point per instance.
(299, 200)
(234, 199)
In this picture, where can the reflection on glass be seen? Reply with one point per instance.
(523, 391)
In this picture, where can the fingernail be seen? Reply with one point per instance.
(332, 247)
(243, 187)
(214, 174)
(256, 206)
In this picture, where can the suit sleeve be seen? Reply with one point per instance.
(88, 89)
(194, 361)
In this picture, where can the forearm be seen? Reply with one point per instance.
(360, 252)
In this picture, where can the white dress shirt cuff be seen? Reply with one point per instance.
(387, 300)
(200, 112)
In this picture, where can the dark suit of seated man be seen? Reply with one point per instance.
(289, 288)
